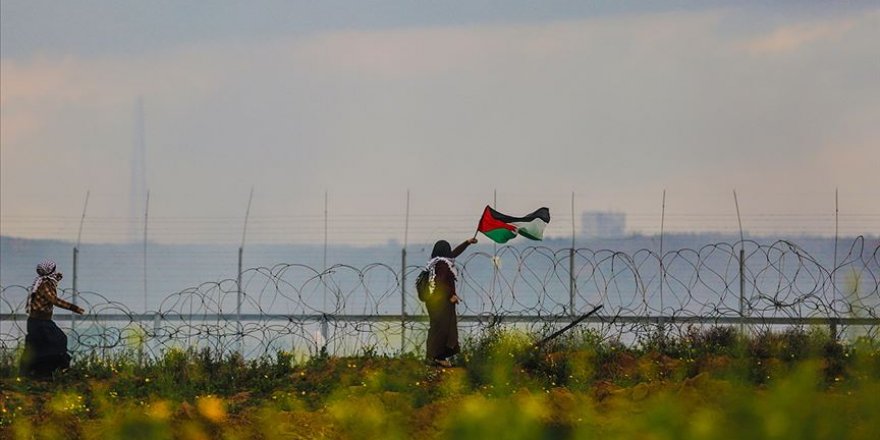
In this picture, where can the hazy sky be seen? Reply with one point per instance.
(614, 101)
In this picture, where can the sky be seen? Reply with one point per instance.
(578, 106)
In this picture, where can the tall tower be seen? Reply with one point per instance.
(138, 196)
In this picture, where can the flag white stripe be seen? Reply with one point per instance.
(532, 229)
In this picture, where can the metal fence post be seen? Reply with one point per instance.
(240, 334)
(156, 317)
(75, 291)
(247, 213)
(742, 290)
(76, 265)
(402, 300)
(742, 267)
(571, 282)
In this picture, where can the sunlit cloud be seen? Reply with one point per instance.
(794, 37)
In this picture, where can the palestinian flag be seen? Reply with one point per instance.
(501, 227)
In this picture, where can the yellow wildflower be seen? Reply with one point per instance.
(212, 408)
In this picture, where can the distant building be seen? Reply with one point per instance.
(596, 224)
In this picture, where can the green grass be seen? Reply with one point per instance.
(713, 383)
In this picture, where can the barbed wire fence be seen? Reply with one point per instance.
(347, 310)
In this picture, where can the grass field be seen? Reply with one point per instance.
(713, 383)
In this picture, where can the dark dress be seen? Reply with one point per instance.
(45, 345)
(45, 349)
(443, 330)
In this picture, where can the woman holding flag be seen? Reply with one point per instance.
(443, 327)
(436, 284)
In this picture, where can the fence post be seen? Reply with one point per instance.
(155, 324)
(75, 266)
(402, 300)
(662, 273)
(742, 267)
(571, 281)
(75, 291)
(247, 213)
(403, 278)
(238, 304)
(742, 290)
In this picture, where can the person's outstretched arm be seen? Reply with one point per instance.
(56, 301)
(460, 248)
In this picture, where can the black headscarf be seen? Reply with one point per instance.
(442, 249)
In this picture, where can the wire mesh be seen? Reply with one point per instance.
(347, 309)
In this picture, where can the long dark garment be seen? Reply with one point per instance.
(443, 329)
(45, 349)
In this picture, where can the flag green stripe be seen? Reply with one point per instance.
(500, 235)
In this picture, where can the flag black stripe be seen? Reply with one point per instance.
(542, 213)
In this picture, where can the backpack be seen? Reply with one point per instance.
(423, 286)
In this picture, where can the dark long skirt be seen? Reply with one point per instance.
(443, 330)
(45, 349)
